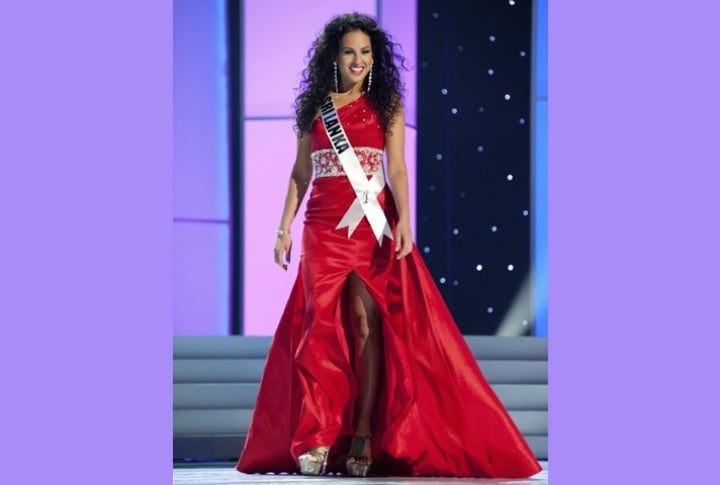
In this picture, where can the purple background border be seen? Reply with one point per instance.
(86, 205)
(633, 254)
(86, 201)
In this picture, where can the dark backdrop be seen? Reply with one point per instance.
(473, 146)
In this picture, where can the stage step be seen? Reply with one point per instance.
(209, 395)
(242, 370)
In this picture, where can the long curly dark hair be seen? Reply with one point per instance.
(387, 90)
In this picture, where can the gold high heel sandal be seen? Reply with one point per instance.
(313, 462)
(360, 469)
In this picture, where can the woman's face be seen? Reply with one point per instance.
(354, 59)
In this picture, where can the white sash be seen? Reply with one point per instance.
(366, 191)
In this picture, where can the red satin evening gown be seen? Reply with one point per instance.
(435, 415)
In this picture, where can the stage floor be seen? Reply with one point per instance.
(221, 475)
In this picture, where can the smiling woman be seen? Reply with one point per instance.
(366, 353)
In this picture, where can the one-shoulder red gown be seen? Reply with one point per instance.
(436, 415)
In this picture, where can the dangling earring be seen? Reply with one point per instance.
(370, 78)
(335, 77)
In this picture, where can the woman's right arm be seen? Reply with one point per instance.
(297, 187)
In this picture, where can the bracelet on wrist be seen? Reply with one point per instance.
(282, 232)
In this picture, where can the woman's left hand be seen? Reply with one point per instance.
(403, 240)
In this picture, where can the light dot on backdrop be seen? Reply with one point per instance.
(493, 229)
(436, 15)
(490, 309)
(438, 156)
(432, 188)
(507, 97)
(522, 54)
(442, 280)
(456, 282)
(478, 267)
(443, 90)
(524, 322)
(462, 195)
(453, 111)
(481, 109)
(491, 71)
(480, 148)
(509, 177)
(426, 249)
(510, 267)
(456, 231)
(525, 212)
(511, 2)
(521, 121)
(424, 64)
(492, 38)
(461, 48)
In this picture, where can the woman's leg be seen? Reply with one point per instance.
(368, 357)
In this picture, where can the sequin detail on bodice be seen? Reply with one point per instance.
(326, 164)
(362, 127)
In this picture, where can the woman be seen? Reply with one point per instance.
(367, 369)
